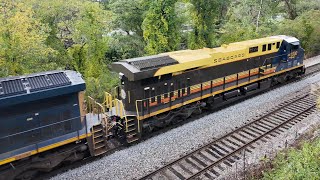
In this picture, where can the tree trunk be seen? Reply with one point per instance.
(291, 9)
(258, 18)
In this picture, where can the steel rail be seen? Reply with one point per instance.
(276, 110)
(249, 143)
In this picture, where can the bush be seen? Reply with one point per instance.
(297, 164)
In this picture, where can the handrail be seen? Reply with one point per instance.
(137, 109)
(108, 100)
(103, 113)
(175, 92)
(92, 131)
(121, 111)
(90, 103)
(198, 85)
(138, 114)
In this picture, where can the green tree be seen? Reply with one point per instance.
(206, 15)
(306, 28)
(90, 37)
(249, 19)
(79, 33)
(304, 6)
(124, 47)
(59, 15)
(78, 30)
(90, 43)
(128, 15)
(290, 6)
(160, 27)
(22, 40)
(126, 40)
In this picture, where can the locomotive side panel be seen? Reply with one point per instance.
(229, 66)
(42, 122)
(28, 123)
(155, 86)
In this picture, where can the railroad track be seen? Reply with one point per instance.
(209, 161)
(312, 69)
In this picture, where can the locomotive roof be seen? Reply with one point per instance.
(42, 85)
(179, 61)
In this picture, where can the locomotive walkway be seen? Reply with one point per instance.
(209, 161)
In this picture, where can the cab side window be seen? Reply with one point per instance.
(253, 49)
(188, 86)
(153, 94)
(165, 90)
(264, 48)
(171, 90)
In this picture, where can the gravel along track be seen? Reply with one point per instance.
(208, 161)
(267, 151)
(147, 156)
(312, 61)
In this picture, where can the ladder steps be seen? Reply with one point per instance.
(129, 135)
(98, 139)
(99, 145)
(132, 133)
(100, 151)
(97, 129)
(98, 134)
(133, 139)
(131, 129)
(130, 120)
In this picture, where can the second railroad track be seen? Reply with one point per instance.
(209, 161)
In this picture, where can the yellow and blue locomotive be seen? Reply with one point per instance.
(157, 90)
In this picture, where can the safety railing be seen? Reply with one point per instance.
(119, 108)
(108, 100)
(115, 107)
(143, 105)
(97, 111)
(120, 111)
(137, 108)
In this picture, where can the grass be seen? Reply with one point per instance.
(301, 163)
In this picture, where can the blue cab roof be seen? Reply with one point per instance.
(21, 89)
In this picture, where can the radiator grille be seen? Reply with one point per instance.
(155, 62)
(12, 87)
(48, 81)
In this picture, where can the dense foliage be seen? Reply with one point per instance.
(87, 35)
(297, 164)
(160, 29)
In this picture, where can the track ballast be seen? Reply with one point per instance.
(209, 161)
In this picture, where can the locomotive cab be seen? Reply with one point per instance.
(291, 54)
